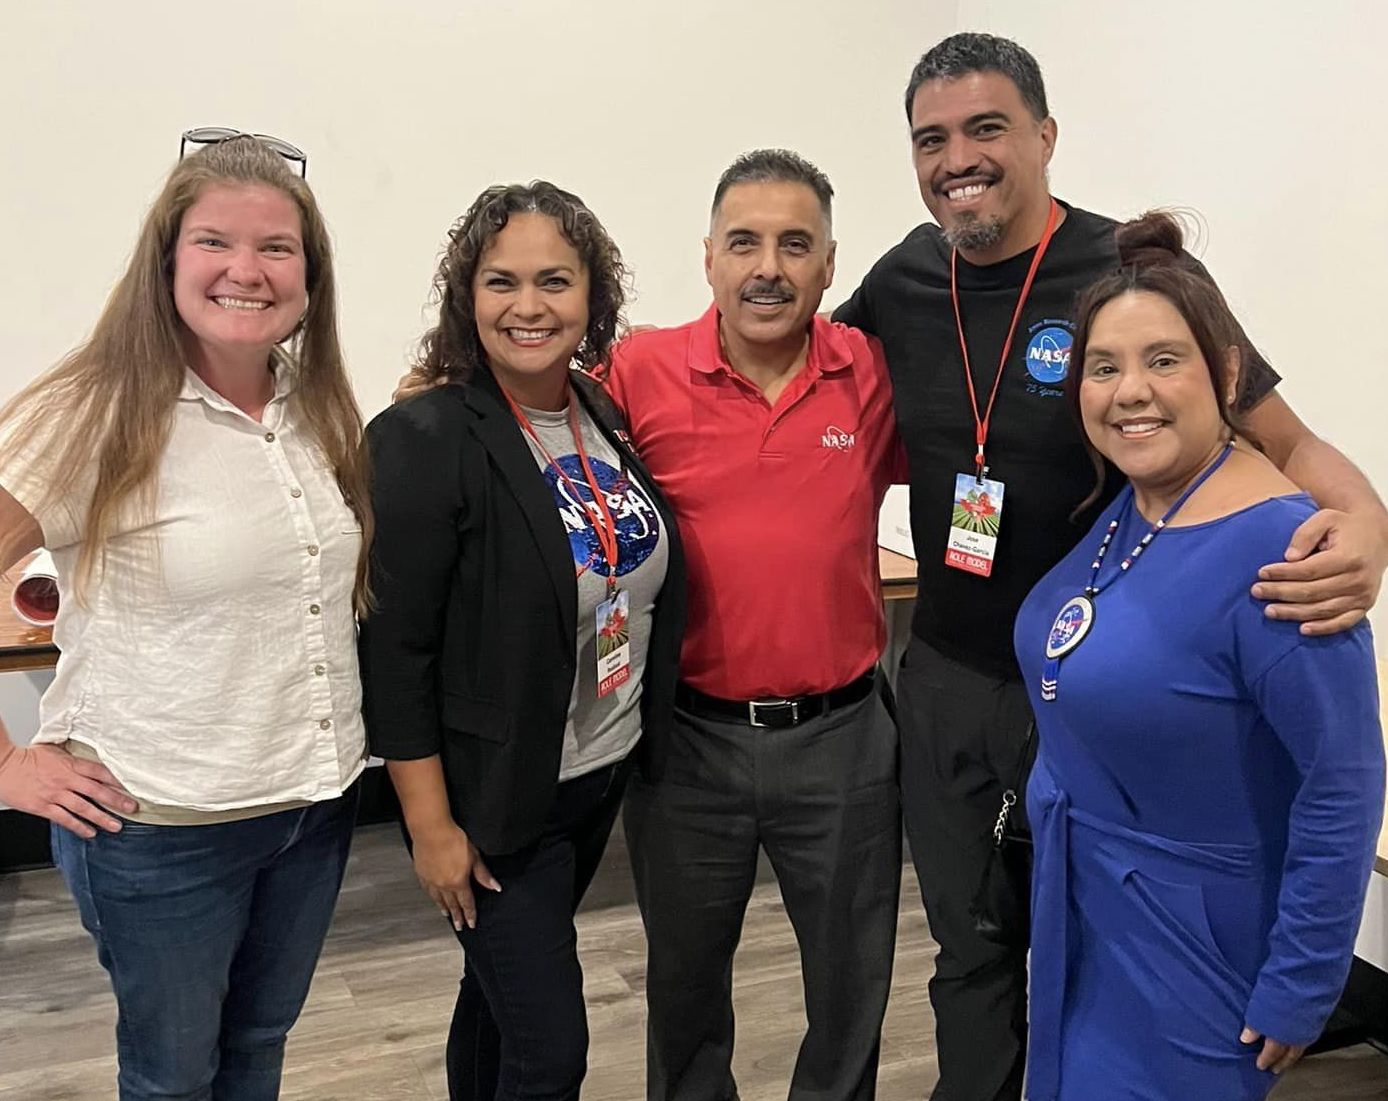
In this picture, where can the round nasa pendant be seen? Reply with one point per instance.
(1070, 626)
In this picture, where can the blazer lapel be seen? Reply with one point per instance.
(498, 432)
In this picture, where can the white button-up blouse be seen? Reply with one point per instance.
(213, 666)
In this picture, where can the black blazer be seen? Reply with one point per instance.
(469, 652)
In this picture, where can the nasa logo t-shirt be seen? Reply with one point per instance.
(602, 728)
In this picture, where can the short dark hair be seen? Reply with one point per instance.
(776, 166)
(970, 52)
(452, 349)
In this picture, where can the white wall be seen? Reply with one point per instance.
(1372, 943)
(408, 109)
(1265, 117)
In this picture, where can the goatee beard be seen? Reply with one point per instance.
(969, 234)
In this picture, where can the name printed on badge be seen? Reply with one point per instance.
(973, 531)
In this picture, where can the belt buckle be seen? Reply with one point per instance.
(752, 706)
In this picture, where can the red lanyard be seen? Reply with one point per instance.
(981, 423)
(605, 530)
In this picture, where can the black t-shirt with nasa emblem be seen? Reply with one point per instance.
(1035, 448)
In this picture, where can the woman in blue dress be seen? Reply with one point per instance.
(1209, 783)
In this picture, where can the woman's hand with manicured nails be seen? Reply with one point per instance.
(446, 863)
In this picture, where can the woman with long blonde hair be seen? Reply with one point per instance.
(195, 469)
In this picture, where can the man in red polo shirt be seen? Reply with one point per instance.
(770, 431)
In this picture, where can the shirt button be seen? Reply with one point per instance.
(314, 609)
(312, 550)
(269, 437)
(319, 670)
(296, 492)
(326, 724)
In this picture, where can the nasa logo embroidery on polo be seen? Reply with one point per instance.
(837, 439)
(1048, 352)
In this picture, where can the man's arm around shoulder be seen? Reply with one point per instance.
(1334, 565)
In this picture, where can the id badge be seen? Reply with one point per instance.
(973, 530)
(614, 643)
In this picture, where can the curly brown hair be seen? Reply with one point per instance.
(452, 350)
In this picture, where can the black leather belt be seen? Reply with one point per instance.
(776, 711)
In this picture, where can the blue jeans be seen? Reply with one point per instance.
(210, 935)
(519, 1031)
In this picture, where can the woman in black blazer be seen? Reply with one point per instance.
(529, 601)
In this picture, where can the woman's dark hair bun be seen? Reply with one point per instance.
(1155, 238)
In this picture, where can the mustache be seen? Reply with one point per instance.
(761, 286)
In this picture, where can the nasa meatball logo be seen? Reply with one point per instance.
(1048, 352)
(638, 523)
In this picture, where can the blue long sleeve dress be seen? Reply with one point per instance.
(1205, 805)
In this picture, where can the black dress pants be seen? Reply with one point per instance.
(821, 798)
(962, 737)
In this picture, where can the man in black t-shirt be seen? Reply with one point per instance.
(1034, 446)
(977, 361)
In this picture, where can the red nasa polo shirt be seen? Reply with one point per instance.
(777, 505)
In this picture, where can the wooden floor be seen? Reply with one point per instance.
(375, 1021)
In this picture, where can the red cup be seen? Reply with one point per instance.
(35, 598)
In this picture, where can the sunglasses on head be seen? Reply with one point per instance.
(215, 135)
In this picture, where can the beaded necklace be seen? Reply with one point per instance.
(1076, 617)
